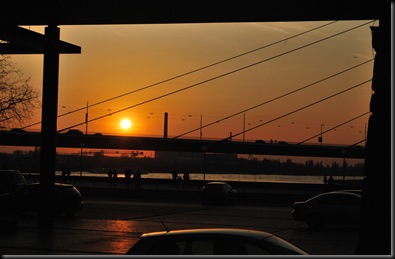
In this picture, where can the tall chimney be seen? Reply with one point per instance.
(165, 126)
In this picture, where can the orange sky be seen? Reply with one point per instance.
(119, 59)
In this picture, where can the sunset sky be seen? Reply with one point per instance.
(120, 59)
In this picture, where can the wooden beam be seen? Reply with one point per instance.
(19, 40)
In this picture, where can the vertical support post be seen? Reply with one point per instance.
(49, 127)
(201, 122)
(376, 216)
(81, 158)
(86, 119)
(244, 126)
(165, 126)
(204, 149)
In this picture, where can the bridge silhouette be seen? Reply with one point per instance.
(33, 139)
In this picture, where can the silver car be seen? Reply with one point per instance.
(338, 207)
(213, 241)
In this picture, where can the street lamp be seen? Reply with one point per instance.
(320, 137)
(204, 148)
(344, 153)
(81, 146)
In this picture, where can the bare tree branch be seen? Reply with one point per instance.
(18, 99)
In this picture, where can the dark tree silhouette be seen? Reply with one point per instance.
(17, 97)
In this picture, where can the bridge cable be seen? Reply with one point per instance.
(216, 77)
(359, 142)
(299, 109)
(275, 98)
(330, 129)
(190, 72)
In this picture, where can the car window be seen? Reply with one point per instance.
(30, 191)
(214, 188)
(227, 188)
(12, 176)
(351, 200)
(165, 248)
(252, 249)
(330, 200)
(232, 246)
(202, 247)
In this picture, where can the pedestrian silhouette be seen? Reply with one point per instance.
(186, 176)
(331, 181)
(128, 174)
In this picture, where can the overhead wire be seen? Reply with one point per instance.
(190, 72)
(274, 99)
(335, 127)
(299, 109)
(219, 76)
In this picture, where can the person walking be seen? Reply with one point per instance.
(325, 179)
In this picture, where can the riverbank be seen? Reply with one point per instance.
(146, 188)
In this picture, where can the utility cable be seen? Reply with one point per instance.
(219, 76)
(274, 99)
(297, 110)
(190, 72)
(355, 144)
(334, 127)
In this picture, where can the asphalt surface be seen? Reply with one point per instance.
(111, 227)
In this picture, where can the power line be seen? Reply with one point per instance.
(299, 109)
(355, 144)
(341, 124)
(219, 76)
(190, 72)
(276, 98)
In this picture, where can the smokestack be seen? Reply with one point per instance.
(165, 126)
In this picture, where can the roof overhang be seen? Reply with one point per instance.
(92, 12)
(23, 41)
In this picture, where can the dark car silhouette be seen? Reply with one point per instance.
(328, 208)
(11, 180)
(213, 241)
(74, 132)
(67, 199)
(218, 192)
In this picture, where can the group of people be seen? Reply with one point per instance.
(176, 177)
(130, 174)
(112, 173)
(328, 181)
(66, 173)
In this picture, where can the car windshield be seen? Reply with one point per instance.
(284, 247)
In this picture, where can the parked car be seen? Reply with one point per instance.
(218, 192)
(328, 208)
(67, 199)
(213, 241)
(11, 180)
(74, 132)
(18, 130)
(356, 191)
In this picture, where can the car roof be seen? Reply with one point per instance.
(217, 182)
(340, 193)
(219, 231)
(9, 170)
(55, 184)
(356, 191)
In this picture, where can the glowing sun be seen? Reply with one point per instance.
(126, 124)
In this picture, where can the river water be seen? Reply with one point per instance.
(229, 177)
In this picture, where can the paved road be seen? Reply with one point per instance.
(136, 218)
